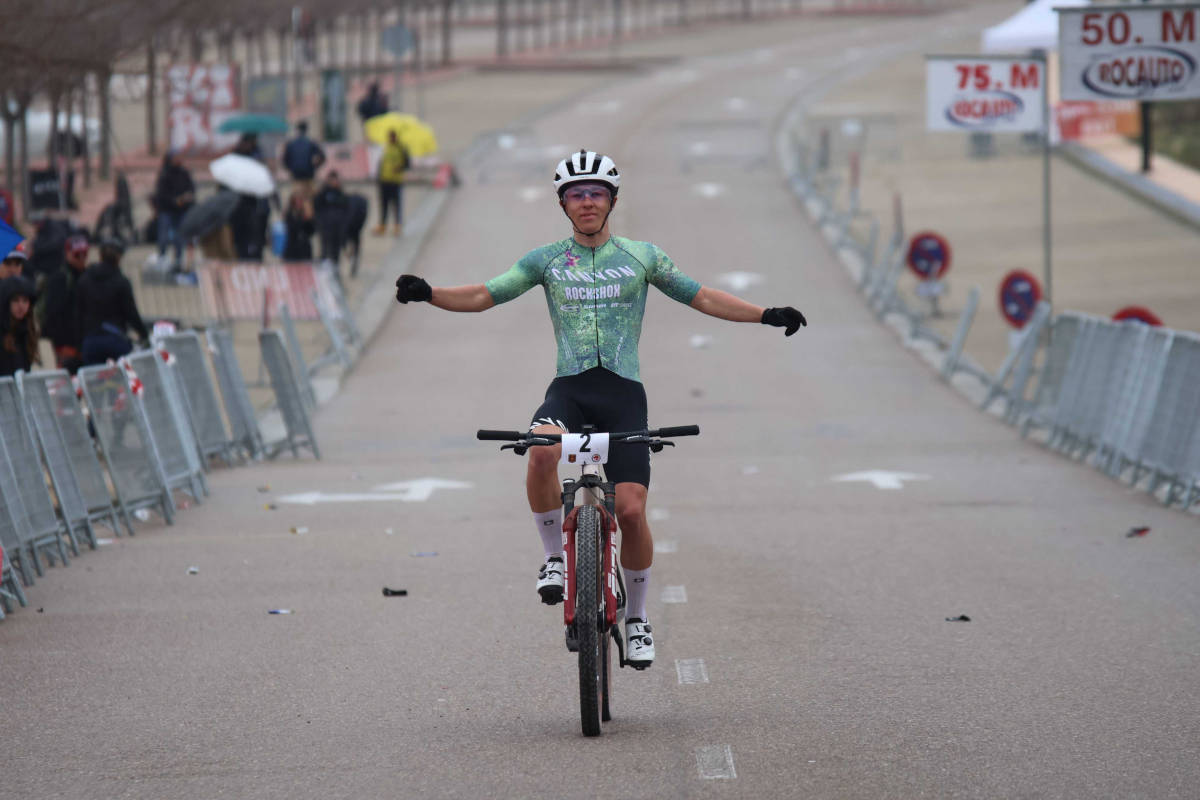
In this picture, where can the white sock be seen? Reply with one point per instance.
(637, 583)
(549, 527)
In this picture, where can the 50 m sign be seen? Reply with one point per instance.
(984, 94)
(1129, 52)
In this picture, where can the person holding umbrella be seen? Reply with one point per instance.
(392, 165)
(174, 194)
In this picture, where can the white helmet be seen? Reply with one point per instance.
(586, 166)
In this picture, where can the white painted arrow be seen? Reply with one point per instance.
(416, 491)
(739, 281)
(422, 488)
(882, 478)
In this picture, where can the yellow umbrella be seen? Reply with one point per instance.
(417, 137)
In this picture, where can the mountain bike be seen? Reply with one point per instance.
(594, 590)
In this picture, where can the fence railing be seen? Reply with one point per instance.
(1120, 396)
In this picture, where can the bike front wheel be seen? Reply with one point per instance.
(588, 620)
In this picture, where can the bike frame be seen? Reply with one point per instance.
(602, 494)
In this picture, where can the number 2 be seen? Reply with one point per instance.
(587, 439)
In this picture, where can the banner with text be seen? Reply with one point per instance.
(1129, 52)
(241, 290)
(993, 95)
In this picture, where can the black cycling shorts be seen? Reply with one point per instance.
(609, 402)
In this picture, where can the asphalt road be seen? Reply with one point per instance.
(817, 607)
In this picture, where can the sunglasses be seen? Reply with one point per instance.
(579, 193)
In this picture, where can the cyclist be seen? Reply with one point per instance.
(596, 286)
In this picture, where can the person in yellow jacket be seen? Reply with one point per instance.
(392, 165)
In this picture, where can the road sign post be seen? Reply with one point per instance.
(994, 94)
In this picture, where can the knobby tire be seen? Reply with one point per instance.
(588, 594)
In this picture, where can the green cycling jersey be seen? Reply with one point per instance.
(596, 297)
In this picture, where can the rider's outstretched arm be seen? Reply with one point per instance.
(411, 289)
(724, 305)
(462, 298)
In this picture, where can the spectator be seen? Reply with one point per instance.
(248, 146)
(300, 228)
(302, 157)
(46, 249)
(14, 263)
(18, 330)
(392, 165)
(174, 194)
(331, 207)
(249, 225)
(58, 311)
(373, 103)
(106, 307)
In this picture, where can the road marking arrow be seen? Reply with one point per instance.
(737, 281)
(882, 478)
(416, 491)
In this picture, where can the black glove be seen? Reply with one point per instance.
(786, 317)
(410, 288)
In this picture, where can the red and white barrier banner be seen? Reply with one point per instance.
(199, 98)
(238, 291)
(1088, 120)
(1129, 52)
(992, 94)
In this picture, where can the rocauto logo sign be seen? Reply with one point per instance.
(1129, 52)
(974, 94)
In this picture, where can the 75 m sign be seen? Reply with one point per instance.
(967, 94)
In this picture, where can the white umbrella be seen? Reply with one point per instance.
(243, 175)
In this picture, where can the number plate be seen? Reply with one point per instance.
(584, 448)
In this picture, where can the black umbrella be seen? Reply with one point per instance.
(203, 218)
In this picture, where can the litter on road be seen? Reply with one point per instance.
(300, 531)
(394, 592)
(280, 611)
(193, 570)
(959, 618)
(425, 554)
(1133, 532)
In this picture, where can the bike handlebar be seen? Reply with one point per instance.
(517, 436)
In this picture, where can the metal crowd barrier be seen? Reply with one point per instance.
(1121, 396)
(1126, 398)
(303, 371)
(40, 416)
(138, 478)
(200, 398)
(23, 481)
(170, 436)
(10, 587)
(52, 404)
(288, 396)
(238, 408)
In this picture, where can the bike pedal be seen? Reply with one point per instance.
(572, 641)
(620, 640)
(638, 665)
(551, 595)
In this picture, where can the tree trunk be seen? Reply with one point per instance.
(105, 78)
(52, 141)
(151, 98)
(22, 112)
(87, 147)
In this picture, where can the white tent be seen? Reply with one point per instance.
(1034, 26)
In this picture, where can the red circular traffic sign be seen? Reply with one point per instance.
(1138, 314)
(928, 255)
(1019, 295)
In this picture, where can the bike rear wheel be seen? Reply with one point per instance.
(593, 647)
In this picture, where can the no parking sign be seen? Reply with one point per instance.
(1138, 314)
(928, 255)
(1019, 296)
